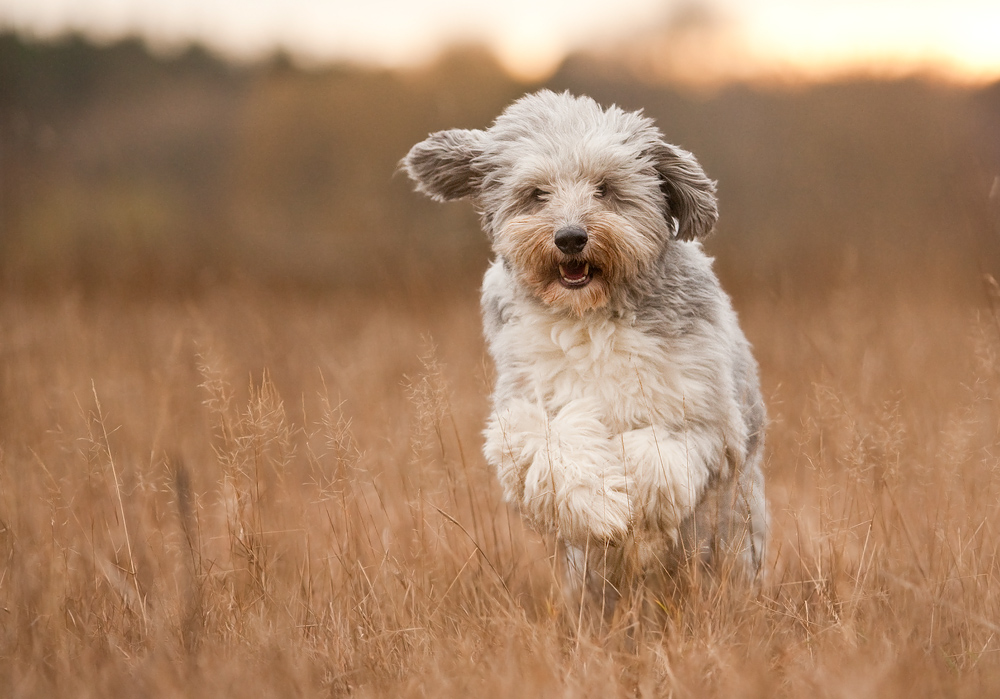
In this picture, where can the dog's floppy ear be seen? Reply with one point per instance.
(690, 194)
(442, 165)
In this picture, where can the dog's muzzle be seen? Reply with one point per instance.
(575, 273)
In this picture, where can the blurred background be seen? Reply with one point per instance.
(177, 145)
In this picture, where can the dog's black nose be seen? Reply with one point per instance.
(571, 239)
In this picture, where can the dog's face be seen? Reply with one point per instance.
(579, 201)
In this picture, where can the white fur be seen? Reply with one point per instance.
(629, 439)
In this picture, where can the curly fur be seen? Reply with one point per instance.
(627, 415)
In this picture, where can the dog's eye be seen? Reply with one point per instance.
(601, 191)
(539, 194)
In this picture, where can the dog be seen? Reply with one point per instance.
(627, 415)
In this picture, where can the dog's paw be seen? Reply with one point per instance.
(514, 435)
(668, 473)
(578, 490)
(563, 471)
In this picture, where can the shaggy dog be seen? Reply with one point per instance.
(627, 417)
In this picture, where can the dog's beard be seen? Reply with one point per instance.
(615, 254)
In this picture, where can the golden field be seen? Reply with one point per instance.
(264, 493)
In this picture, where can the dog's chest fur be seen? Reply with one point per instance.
(635, 378)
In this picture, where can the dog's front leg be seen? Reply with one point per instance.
(562, 470)
(669, 471)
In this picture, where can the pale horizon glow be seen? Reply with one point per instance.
(959, 39)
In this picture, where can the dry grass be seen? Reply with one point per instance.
(263, 494)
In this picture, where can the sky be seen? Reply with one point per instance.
(959, 39)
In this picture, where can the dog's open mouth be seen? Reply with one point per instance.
(576, 274)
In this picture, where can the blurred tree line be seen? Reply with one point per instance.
(121, 166)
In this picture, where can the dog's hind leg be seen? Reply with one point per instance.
(590, 582)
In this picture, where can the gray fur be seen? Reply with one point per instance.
(442, 167)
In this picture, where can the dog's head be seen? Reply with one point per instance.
(580, 201)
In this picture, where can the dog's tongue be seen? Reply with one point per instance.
(573, 271)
